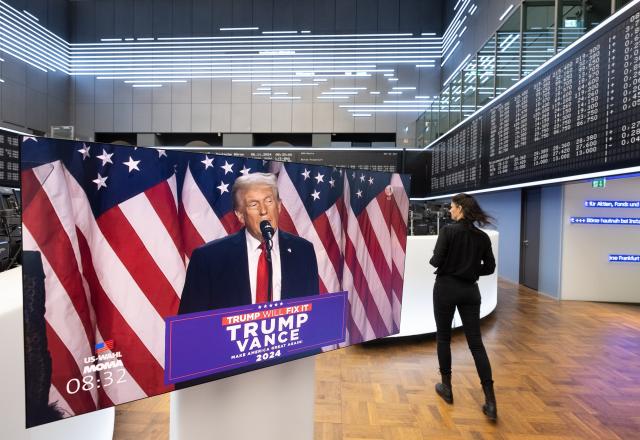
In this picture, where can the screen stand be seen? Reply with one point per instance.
(271, 403)
(96, 425)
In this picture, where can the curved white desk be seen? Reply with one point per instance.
(417, 297)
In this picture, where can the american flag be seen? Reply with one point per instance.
(116, 226)
(103, 347)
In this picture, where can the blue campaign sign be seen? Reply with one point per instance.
(205, 343)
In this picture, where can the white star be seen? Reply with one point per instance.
(223, 187)
(353, 175)
(101, 181)
(105, 158)
(315, 195)
(245, 171)
(227, 167)
(132, 164)
(359, 193)
(207, 162)
(162, 153)
(332, 182)
(29, 138)
(362, 178)
(370, 180)
(319, 177)
(85, 151)
(306, 174)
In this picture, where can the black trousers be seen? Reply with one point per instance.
(449, 293)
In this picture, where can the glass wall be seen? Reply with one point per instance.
(443, 112)
(538, 35)
(469, 86)
(455, 105)
(487, 72)
(525, 40)
(508, 53)
(578, 17)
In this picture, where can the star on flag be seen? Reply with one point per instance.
(132, 164)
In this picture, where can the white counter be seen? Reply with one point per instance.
(417, 298)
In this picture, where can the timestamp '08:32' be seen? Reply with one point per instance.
(87, 384)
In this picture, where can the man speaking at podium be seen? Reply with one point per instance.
(235, 270)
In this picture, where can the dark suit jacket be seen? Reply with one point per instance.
(218, 273)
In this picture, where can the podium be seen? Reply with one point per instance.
(97, 425)
(274, 403)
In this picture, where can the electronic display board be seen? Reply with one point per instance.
(366, 159)
(9, 159)
(577, 115)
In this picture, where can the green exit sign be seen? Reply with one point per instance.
(599, 183)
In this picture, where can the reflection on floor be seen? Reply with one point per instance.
(563, 370)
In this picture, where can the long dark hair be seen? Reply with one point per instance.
(471, 210)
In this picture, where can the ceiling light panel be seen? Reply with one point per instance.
(272, 58)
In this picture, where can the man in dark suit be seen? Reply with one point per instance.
(230, 271)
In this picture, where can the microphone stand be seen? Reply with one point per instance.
(268, 246)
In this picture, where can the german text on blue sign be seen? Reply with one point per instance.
(605, 220)
(612, 203)
(624, 258)
(204, 343)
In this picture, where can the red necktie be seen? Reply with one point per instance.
(262, 282)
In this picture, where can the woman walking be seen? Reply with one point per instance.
(462, 254)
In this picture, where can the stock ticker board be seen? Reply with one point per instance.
(369, 159)
(9, 159)
(579, 114)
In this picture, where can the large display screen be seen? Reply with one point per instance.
(144, 269)
(579, 114)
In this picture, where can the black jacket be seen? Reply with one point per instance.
(218, 273)
(464, 252)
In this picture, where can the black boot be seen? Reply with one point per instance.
(444, 389)
(489, 408)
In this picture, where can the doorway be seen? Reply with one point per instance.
(530, 238)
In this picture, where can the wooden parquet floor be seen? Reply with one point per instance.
(562, 370)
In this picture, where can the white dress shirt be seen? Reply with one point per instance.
(253, 252)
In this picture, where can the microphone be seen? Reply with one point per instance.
(267, 232)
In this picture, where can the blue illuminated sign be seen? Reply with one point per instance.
(605, 220)
(612, 203)
(623, 258)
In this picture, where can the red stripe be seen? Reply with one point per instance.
(394, 218)
(140, 264)
(323, 228)
(322, 287)
(30, 188)
(47, 230)
(363, 291)
(397, 282)
(137, 359)
(355, 337)
(65, 368)
(191, 238)
(104, 401)
(164, 204)
(285, 222)
(230, 222)
(376, 253)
